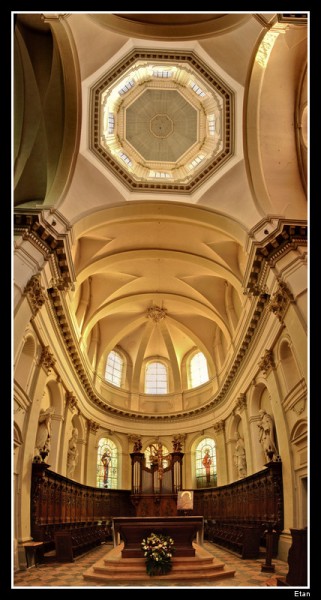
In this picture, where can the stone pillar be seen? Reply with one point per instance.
(30, 427)
(56, 426)
(221, 458)
(91, 462)
(267, 367)
(70, 408)
(241, 409)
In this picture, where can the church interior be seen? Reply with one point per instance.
(160, 293)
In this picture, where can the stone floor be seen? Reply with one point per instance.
(63, 575)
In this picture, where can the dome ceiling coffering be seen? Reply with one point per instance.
(162, 121)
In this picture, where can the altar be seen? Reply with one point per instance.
(183, 530)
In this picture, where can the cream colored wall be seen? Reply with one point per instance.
(282, 393)
(257, 187)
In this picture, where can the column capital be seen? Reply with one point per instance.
(47, 360)
(92, 426)
(280, 301)
(219, 427)
(267, 363)
(71, 401)
(240, 402)
(35, 293)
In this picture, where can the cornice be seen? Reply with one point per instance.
(57, 307)
(266, 253)
(52, 246)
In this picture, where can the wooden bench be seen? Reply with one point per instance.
(243, 539)
(73, 541)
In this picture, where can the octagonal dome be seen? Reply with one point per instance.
(161, 125)
(162, 122)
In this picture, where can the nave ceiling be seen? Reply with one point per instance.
(184, 252)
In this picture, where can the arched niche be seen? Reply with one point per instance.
(26, 362)
(76, 423)
(289, 367)
(259, 399)
(234, 432)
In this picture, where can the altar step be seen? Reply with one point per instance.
(114, 567)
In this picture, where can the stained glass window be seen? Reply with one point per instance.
(114, 368)
(107, 463)
(198, 370)
(206, 475)
(156, 378)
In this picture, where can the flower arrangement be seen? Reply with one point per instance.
(158, 550)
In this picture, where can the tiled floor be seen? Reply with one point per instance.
(64, 575)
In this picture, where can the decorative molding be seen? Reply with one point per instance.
(71, 401)
(41, 235)
(240, 403)
(34, 292)
(156, 313)
(266, 254)
(47, 360)
(267, 362)
(219, 427)
(92, 426)
(299, 406)
(215, 84)
(59, 314)
(280, 301)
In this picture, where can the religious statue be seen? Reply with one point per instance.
(42, 447)
(72, 456)
(105, 459)
(207, 461)
(266, 435)
(137, 445)
(177, 445)
(239, 456)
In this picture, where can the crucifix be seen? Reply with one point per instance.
(157, 458)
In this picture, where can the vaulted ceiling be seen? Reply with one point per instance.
(180, 242)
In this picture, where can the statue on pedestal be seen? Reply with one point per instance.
(72, 456)
(42, 447)
(240, 456)
(266, 435)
